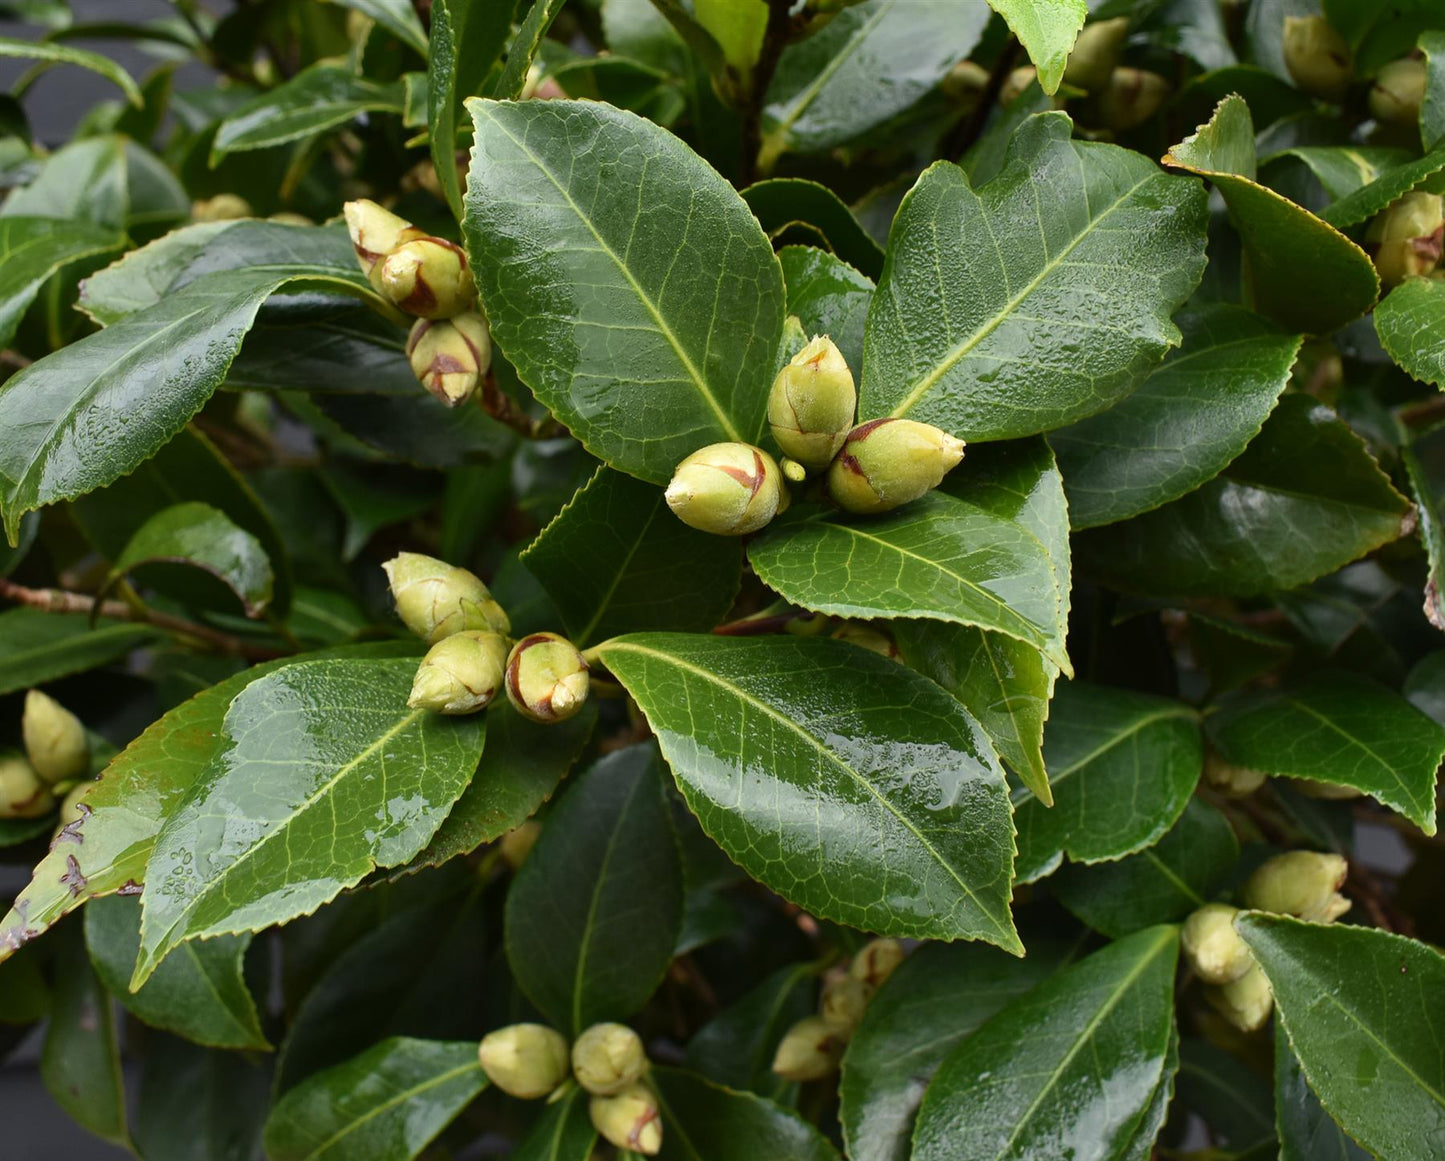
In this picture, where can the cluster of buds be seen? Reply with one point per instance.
(1407, 238)
(608, 1061)
(55, 765)
(449, 348)
(472, 659)
(813, 1047)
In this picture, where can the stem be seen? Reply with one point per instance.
(779, 31)
(504, 409)
(756, 626)
(958, 139)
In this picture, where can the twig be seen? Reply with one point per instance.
(755, 626)
(781, 29)
(956, 141)
(504, 409)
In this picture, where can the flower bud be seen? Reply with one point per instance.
(460, 674)
(888, 462)
(629, 1119)
(1406, 237)
(877, 961)
(289, 218)
(812, 404)
(22, 793)
(224, 207)
(1246, 1002)
(428, 277)
(1130, 97)
(1316, 56)
(810, 1050)
(55, 741)
(518, 842)
(874, 640)
(546, 678)
(1304, 884)
(524, 1060)
(965, 82)
(435, 599)
(607, 1058)
(375, 233)
(1399, 91)
(1015, 84)
(1230, 780)
(450, 356)
(729, 489)
(844, 1001)
(1212, 946)
(1096, 53)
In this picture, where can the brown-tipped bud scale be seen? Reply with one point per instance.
(877, 960)
(1227, 778)
(524, 1060)
(1399, 91)
(55, 740)
(812, 404)
(629, 1119)
(547, 678)
(428, 277)
(375, 233)
(888, 462)
(810, 1050)
(729, 489)
(435, 599)
(461, 673)
(607, 1058)
(843, 1003)
(1406, 239)
(450, 356)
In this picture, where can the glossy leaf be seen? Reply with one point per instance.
(523, 49)
(1046, 29)
(199, 1104)
(563, 1132)
(1432, 106)
(1411, 325)
(1378, 35)
(828, 297)
(1077, 1059)
(391, 1101)
(1122, 766)
(1363, 1013)
(80, 1059)
(397, 16)
(1040, 297)
(1424, 460)
(1342, 169)
(1338, 728)
(36, 647)
(350, 352)
(1228, 1093)
(326, 757)
(736, 1047)
(850, 785)
(1191, 417)
(315, 99)
(782, 202)
(50, 52)
(1306, 1132)
(1369, 200)
(644, 356)
(705, 1122)
(31, 250)
(616, 560)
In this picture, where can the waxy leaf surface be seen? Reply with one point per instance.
(1411, 325)
(1305, 1131)
(50, 52)
(36, 647)
(706, 1122)
(1046, 29)
(563, 1132)
(784, 202)
(829, 298)
(31, 250)
(316, 98)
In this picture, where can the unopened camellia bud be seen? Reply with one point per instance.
(1130, 97)
(1015, 84)
(1407, 238)
(22, 792)
(729, 489)
(461, 673)
(547, 678)
(450, 356)
(607, 1058)
(811, 407)
(1246, 1002)
(810, 1050)
(518, 842)
(1398, 92)
(524, 1060)
(877, 961)
(1227, 778)
(888, 462)
(428, 277)
(224, 207)
(843, 1003)
(1304, 884)
(375, 233)
(629, 1119)
(1316, 56)
(874, 640)
(1096, 53)
(965, 82)
(435, 599)
(1211, 945)
(55, 741)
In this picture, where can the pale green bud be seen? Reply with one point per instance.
(877, 961)
(224, 207)
(375, 233)
(547, 678)
(518, 842)
(55, 741)
(792, 470)
(965, 82)
(810, 1050)
(428, 277)
(22, 792)
(812, 403)
(289, 218)
(1130, 97)
(1015, 84)
(1227, 778)
(1406, 237)
(888, 462)
(843, 1003)
(435, 599)
(524, 1060)
(1211, 945)
(1316, 56)
(1304, 884)
(874, 640)
(1096, 53)
(460, 674)
(729, 489)
(1246, 1002)
(450, 356)
(629, 1119)
(1398, 92)
(607, 1058)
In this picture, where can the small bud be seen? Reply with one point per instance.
(450, 356)
(1407, 237)
(428, 277)
(874, 640)
(629, 1119)
(1316, 56)
(1230, 780)
(375, 233)
(289, 218)
(1399, 91)
(965, 82)
(1212, 946)
(812, 403)
(888, 462)
(792, 471)
(55, 740)
(1015, 84)
(1096, 53)
(547, 678)
(1304, 884)
(729, 489)
(1246, 1002)
(224, 207)
(877, 961)
(1130, 97)
(435, 599)
(524, 1060)
(22, 793)
(518, 842)
(810, 1050)
(460, 674)
(844, 1001)
(607, 1058)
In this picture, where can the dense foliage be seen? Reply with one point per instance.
(729, 579)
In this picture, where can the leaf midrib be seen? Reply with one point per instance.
(810, 94)
(1183, 713)
(390, 1103)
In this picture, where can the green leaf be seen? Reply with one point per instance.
(442, 101)
(848, 784)
(1342, 169)
(1192, 416)
(644, 356)
(594, 912)
(1379, 35)
(564, 1131)
(1363, 1013)
(1227, 1093)
(349, 352)
(37, 647)
(939, 996)
(1306, 1132)
(315, 99)
(1148, 1126)
(31, 250)
(1393, 183)
(828, 297)
(326, 757)
(1122, 766)
(199, 1104)
(1077, 1059)
(1432, 107)
(199, 993)
(397, 16)
(616, 560)
(1037, 299)
(782, 202)
(49, 52)
(1302, 500)
(1046, 29)
(86, 180)
(1286, 246)
(1411, 325)
(705, 1122)
(391, 1101)
(1161, 884)
(523, 50)
(1424, 460)
(1338, 728)
(736, 1047)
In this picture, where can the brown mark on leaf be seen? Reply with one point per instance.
(70, 832)
(130, 887)
(72, 878)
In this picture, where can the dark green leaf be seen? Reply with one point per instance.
(564, 1132)
(1377, 35)
(1411, 325)
(1432, 107)
(1227, 1093)
(48, 52)
(1306, 1132)
(1342, 169)
(523, 49)
(1425, 686)
(36, 647)
(1047, 30)
(315, 99)
(199, 1104)
(736, 1047)
(1369, 200)
(410, 428)
(442, 100)
(704, 1122)
(85, 181)
(828, 296)
(781, 202)
(31, 250)
(397, 16)
(351, 352)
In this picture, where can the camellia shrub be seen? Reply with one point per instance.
(735, 580)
